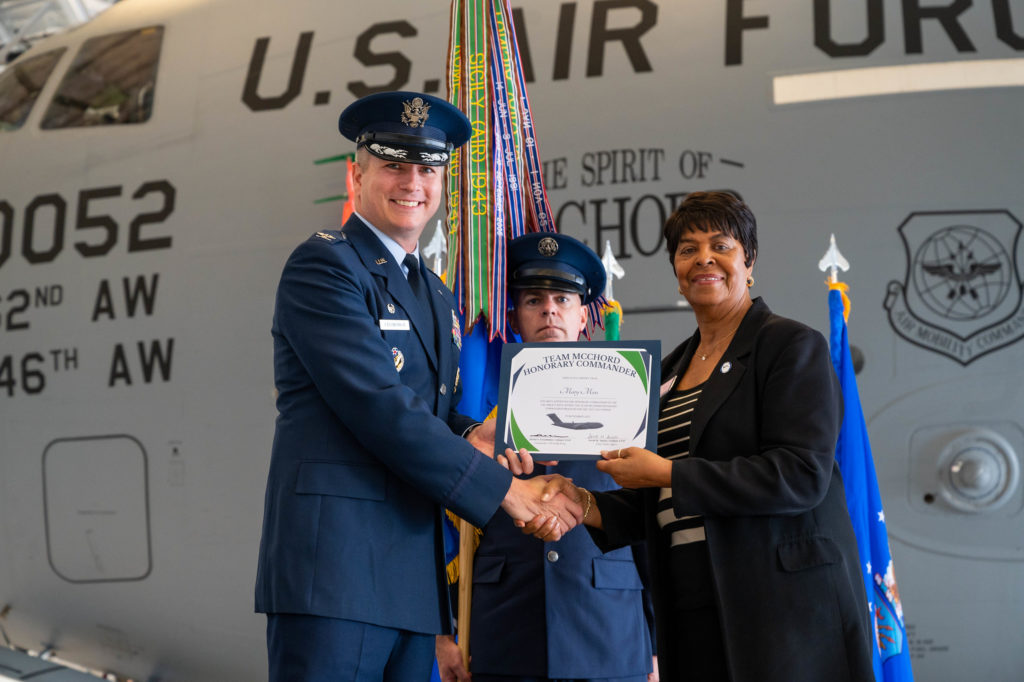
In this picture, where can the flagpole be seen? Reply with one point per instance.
(890, 649)
(467, 548)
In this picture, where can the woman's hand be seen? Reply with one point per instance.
(542, 528)
(636, 468)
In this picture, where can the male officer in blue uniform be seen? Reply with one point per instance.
(553, 611)
(368, 447)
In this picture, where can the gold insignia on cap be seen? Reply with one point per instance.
(381, 261)
(547, 246)
(415, 114)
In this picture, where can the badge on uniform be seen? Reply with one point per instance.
(394, 325)
(391, 308)
(399, 359)
(326, 236)
(381, 261)
(456, 330)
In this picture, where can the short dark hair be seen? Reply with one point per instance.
(713, 211)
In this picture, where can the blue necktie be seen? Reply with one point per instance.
(419, 289)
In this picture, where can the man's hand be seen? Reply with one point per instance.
(542, 528)
(636, 468)
(449, 660)
(526, 500)
(482, 437)
(521, 463)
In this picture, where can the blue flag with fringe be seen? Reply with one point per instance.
(853, 452)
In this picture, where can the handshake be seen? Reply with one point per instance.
(546, 507)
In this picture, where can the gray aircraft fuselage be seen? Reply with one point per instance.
(139, 260)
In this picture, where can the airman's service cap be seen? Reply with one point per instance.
(545, 260)
(409, 127)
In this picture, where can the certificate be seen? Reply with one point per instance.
(566, 401)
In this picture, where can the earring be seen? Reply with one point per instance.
(750, 281)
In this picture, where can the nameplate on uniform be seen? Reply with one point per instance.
(394, 325)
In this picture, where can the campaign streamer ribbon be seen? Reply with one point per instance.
(496, 186)
(498, 255)
(507, 192)
(479, 228)
(535, 190)
(509, 124)
(455, 163)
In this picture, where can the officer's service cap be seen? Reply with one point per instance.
(545, 260)
(409, 127)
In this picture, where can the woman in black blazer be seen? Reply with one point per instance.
(756, 576)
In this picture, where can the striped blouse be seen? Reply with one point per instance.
(674, 443)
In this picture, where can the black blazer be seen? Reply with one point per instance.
(762, 471)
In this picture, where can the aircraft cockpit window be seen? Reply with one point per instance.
(20, 84)
(111, 81)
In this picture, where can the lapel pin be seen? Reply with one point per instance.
(381, 261)
(391, 308)
(726, 366)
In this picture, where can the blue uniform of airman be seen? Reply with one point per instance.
(557, 610)
(368, 447)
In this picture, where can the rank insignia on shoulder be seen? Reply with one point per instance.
(456, 331)
(399, 359)
(327, 236)
(381, 261)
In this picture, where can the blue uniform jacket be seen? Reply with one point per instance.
(367, 447)
(557, 609)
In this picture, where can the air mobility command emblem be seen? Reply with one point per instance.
(961, 295)
(399, 359)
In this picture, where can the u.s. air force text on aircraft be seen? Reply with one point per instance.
(623, 27)
(39, 234)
